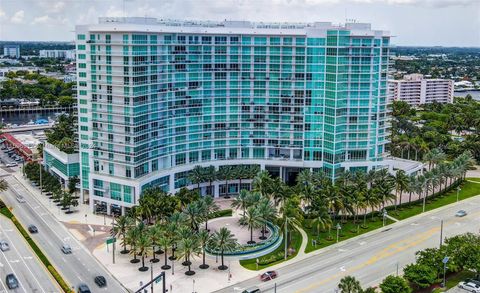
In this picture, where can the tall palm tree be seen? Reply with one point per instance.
(3, 185)
(252, 220)
(241, 201)
(131, 238)
(194, 213)
(143, 246)
(321, 218)
(385, 184)
(210, 175)
(165, 242)
(267, 212)
(292, 216)
(187, 248)
(434, 157)
(412, 181)
(401, 184)
(262, 183)
(223, 240)
(197, 176)
(203, 240)
(120, 227)
(209, 207)
(241, 172)
(349, 284)
(154, 234)
(226, 173)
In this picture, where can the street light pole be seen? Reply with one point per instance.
(424, 198)
(113, 247)
(40, 170)
(338, 230)
(441, 233)
(445, 260)
(458, 191)
(151, 276)
(286, 224)
(384, 216)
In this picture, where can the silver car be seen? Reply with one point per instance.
(66, 249)
(4, 245)
(470, 287)
(461, 213)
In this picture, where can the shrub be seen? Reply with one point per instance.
(221, 213)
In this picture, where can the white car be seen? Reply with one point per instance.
(12, 164)
(470, 287)
(4, 245)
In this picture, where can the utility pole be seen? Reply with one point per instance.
(424, 198)
(441, 233)
(40, 170)
(286, 224)
(113, 247)
(151, 276)
(458, 191)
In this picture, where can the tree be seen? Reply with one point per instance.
(241, 201)
(187, 196)
(3, 185)
(154, 234)
(208, 207)
(321, 217)
(393, 284)
(420, 275)
(401, 184)
(193, 213)
(267, 213)
(165, 242)
(223, 240)
(203, 240)
(72, 184)
(197, 176)
(188, 247)
(143, 245)
(226, 173)
(120, 227)
(68, 201)
(252, 219)
(262, 183)
(210, 175)
(349, 284)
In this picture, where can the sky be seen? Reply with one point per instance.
(412, 22)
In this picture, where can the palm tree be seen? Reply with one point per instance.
(412, 181)
(3, 185)
(401, 184)
(321, 217)
(385, 184)
(203, 240)
(241, 201)
(291, 216)
(164, 242)
(208, 207)
(143, 246)
(194, 213)
(223, 240)
(120, 227)
(210, 175)
(154, 234)
(226, 173)
(262, 183)
(434, 157)
(197, 176)
(131, 239)
(252, 220)
(187, 248)
(267, 213)
(349, 284)
(371, 199)
(240, 172)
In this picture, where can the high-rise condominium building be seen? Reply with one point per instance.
(416, 90)
(11, 51)
(157, 98)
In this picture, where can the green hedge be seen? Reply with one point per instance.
(221, 213)
(5, 211)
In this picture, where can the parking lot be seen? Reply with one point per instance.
(8, 157)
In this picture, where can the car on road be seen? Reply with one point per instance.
(4, 245)
(461, 213)
(267, 276)
(100, 281)
(66, 249)
(83, 288)
(20, 198)
(252, 290)
(11, 281)
(470, 287)
(11, 165)
(32, 229)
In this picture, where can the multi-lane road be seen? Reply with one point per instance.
(78, 267)
(22, 262)
(372, 257)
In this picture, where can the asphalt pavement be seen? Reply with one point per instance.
(372, 257)
(23, 263)
(78, 267)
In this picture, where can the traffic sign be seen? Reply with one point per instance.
(111, 240)
(158, 280)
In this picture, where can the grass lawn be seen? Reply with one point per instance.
(474, 179)
(468, 189)
(349, 230)
(454, 279)
(276, 256)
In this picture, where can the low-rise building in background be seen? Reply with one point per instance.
(415, 89)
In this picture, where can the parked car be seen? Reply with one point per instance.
(11, 281)
(267, 276)
(470, 287)
(461, 213)
(252, 290)
(66, 249)
(83, 288)
(475, 281)
(100, 281)
(11, 165)
(32, 229)
(4, 245)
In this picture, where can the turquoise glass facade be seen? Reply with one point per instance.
(158, 101)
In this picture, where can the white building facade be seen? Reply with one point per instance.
(417, 90)
(12, 51)
(58, 54)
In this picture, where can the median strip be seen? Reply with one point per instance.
(58, 278)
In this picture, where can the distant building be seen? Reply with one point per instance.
(59, 54)
(11, 51)
(416, 90)
(60, 164)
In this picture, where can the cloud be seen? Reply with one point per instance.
(47, 20)
(18, 17)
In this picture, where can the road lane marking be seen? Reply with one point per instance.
(15, 261)
(343, 269)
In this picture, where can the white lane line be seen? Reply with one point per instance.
(14, 261)
(28, 268)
